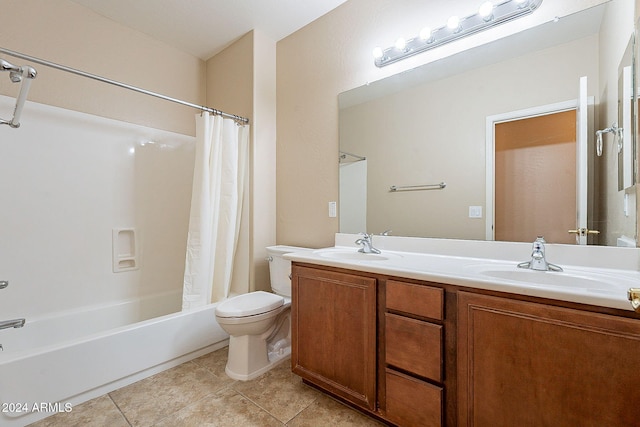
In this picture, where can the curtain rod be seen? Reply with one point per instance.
(240, 119)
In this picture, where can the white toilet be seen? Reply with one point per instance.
(259, 322)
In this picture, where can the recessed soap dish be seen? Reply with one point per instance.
(125, 250)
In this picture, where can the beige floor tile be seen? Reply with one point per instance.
(278, 391)
(328, 412)
(226, 408)
(98, 412)
(215, 362)
(199, 394)
(154, 398)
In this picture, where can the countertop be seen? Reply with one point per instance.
(605, 287)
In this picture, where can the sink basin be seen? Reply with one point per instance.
(353, 255)
(567, 279)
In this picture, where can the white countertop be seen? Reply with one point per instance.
(600, 286)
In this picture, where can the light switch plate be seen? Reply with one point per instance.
(475, 211)
(333, 209)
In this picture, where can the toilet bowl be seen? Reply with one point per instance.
(258, 323)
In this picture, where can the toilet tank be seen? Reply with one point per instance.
(280, 268)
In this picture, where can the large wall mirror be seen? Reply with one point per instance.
(486, 144)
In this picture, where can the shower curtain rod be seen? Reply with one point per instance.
(240, 119)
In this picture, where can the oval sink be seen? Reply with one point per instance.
(353, 255)
(573, 279)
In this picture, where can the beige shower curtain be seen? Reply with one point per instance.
(221, 169)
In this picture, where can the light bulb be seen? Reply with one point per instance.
(454, 23)
(486, 10)
(425, 34)
(377, 52)
(401, 44)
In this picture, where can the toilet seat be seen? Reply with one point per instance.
(249, 304)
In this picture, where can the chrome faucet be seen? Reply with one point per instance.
(15, 323)
(367, 244)
(538, 261)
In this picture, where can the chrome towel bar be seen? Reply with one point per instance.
(418, 187)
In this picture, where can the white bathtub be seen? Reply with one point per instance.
(54, 363)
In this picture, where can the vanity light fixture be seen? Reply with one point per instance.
(490, 13)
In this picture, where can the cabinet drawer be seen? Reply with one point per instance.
(411, 402)
(425, 301)
(414, 346)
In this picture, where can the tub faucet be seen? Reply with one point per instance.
(16, 323)
(538, 261)
(367, 244)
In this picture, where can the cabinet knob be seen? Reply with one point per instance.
(634, 296)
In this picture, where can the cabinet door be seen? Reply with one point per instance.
(334, 332)
(527, 364)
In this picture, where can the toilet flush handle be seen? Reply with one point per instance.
(269, 258)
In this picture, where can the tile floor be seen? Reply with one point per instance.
(198, 394)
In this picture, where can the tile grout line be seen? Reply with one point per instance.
(284, 423)
(119, 410)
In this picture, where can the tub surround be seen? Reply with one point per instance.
(479, 264)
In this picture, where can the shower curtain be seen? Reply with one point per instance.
(221, 169)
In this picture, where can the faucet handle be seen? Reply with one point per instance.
(538, 244)
(365, 236)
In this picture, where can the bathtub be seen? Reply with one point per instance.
(54, 363)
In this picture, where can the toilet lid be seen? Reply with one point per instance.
(249, 304)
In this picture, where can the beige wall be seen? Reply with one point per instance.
(241, 79)
(616, 29)
(332, 55)
(263, 182)
(64, 32)
(636, 19)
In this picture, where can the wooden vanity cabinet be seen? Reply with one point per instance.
(333, 325)
(422, 354)
(530, 364)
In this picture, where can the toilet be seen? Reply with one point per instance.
(259, 323)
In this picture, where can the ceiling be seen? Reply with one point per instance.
(205, 27)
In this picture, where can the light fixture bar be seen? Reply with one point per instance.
(501, 13)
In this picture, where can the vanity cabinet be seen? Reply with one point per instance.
(333, 325)
(416, 353)
(529, 364)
